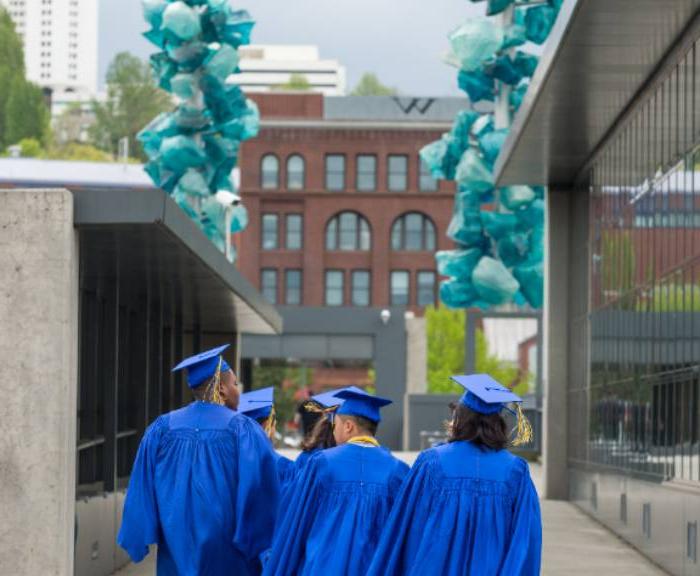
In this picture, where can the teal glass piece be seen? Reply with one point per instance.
(458, 263)
(224, 102)
(239, 219)
(504, 69)
(531, 279)
(188, 56)
(498, 224)
(482, 125)
(237, 29)
(193, 184)
(433, 155)
(517, 197)
(155, 36)
(222, 63)
(497, 6)
(161, 176)
(457, 294)
(163, 69)
(251, 121)
(515, 35)
(184, 202)
(473, 172)
(539, 192)
(180, 153)
(190, 119)
(151, 137)
(153, 12)
(533, 215)
(491, 143)
(525, 63)
(465, 226)
(181, 20)
(221, 150)
(477, 85)
(517, 95)
(184, 86)
(556, 4)
(539, 21)
(214, 212)
(493, 282)
(474, 42)
(513, 249)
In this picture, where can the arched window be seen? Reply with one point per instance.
(295, 172)
(269, 172)
(413, 232)
(348, 231)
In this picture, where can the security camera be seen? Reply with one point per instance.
(385, 315)
(228, 198)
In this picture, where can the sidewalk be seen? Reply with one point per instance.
(574, 544)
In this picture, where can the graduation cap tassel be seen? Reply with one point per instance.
(216, 392)
(271, 423)
(523, 428)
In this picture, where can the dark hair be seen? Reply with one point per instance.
(484, 430)
(320, 437)
(309, 416)
(363, 423)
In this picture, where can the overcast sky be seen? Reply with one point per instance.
(399, 40)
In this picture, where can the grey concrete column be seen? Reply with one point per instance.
(556, 332)
(38, 381)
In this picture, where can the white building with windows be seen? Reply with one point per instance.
(60, 46)
(266, 67)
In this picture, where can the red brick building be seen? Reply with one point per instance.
(342, 212)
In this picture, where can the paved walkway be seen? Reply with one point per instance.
(574, 545)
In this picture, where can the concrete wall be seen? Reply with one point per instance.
(38, 349)
(416, 356)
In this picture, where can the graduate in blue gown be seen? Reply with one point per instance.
(204, 485)
(333, 513)
(468, 507)
(260, 406)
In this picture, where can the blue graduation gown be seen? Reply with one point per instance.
(333, 513)
(204, 488)
(285, 470)
(463, 511)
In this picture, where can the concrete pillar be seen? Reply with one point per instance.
(416, 355)
(556, 332)
(38, 381)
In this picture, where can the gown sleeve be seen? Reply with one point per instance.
(257, 490)
(404, 527)
(140, 523)
(524, 553)
(297, 512)
(285, 470)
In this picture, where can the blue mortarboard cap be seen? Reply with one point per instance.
(330, 399)
(359, 403)
(483, 394)
(257, 404)
(203, 366)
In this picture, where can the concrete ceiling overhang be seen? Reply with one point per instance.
(597, 60)
(143, 238)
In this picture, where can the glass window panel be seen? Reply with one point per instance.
(295, 172)
(335, 172)
(348, 231)
(397, 235)
(398, 173)
(334, 287)
(365, 235)
(426, 288)
(360, 288)
(366, 173)
(414, 231)
(426, 182)
(295, 231)
(400, 288)
(292, 287)
(269, 232)
(269, 172)
(332, 235)
(268, 284)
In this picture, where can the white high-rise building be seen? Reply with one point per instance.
(267, 67)
(60, 46)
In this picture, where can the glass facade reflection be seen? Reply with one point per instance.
(633, 393)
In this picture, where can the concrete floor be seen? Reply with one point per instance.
(574, 545)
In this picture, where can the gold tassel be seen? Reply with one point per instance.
(523, 428)
(311, 407)
(271, 424)
(216, 392)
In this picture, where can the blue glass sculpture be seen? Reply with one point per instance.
(500, 247)
(193, 150)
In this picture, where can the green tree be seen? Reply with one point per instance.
(445, 334)
(133, 100)
(369, 85)
(23, 111)
(76, 152)
(30, 148)
(26, 113)
(297, 83)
